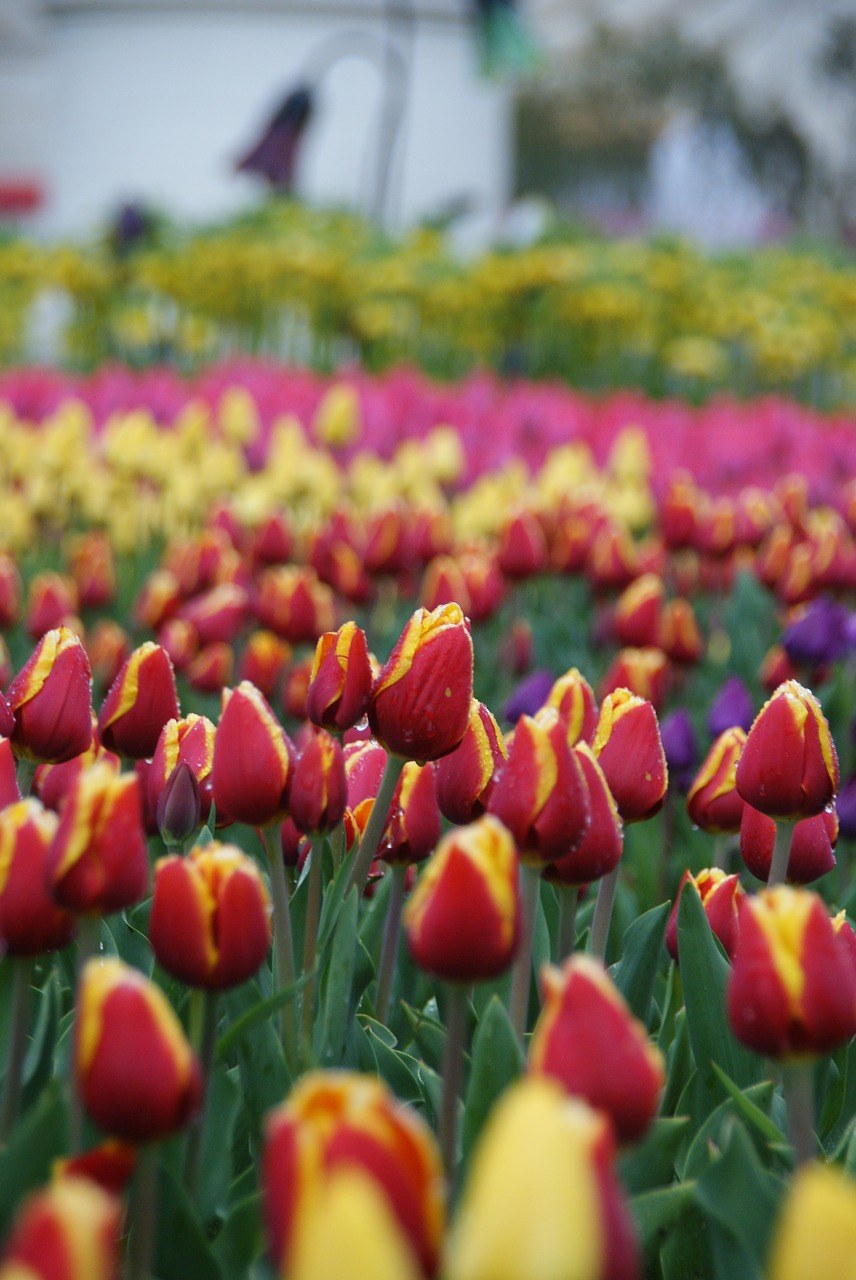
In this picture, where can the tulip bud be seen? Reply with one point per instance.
(30, 920)
(295, 691)
(341, 679)
(94, 570)
(599, 851)
(720, 896)
(636, 617)
(516, 647)
(788, 767)
(10, 592)
(337, 1121)
(528, 697)
(51, 698)
(138, 704)
(294, 604)
(211, 669)
(444, 583)
(273, 540)
(179, 641)
(732, 706)
(540, 793)
(629, 751)
(588, 1040)
(252, 759)
(52, 602)
(645, 672)
(414, 825)
(318, 789)
(679, 636)
(263, 661)
(349, 1229)
(574, 699)
(816, 1233)
(679, 511)
(420, 701)
(542, 1199)
(158, 600)
(107, 648)
(188, 741)
(792, 989)
(71, 1228)
(97, 861)
(612, 559)
(52, 782)
(485, 584)
(679, 747)
(179, 807)
(218, 614)
(845, 807)
(812, 843)
(210, 921)
(9, 791)
(136, 1073)
(522, 550)
(463, 918)
(713, 802)
(465, 776)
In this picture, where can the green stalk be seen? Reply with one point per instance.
(781, 854)
(603, 913)
(283, 944)
(568, 899)
(310, 939)
(376, 824)
(204, 1021)
(22, 977)
(521, 976)
(25, 772)
(722, 851)
(452, 1073)
(391, 935)
(798, 1085)
(144, 1215)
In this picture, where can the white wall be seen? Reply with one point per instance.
(157, 105)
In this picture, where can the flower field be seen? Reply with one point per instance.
(428, 809)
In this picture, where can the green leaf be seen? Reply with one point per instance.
(839, 1104)
(39, 1062)
(651, 1163)
(749, 1111)
(399, 1070)
(686, 1251)
(241, 1238)
(223, 1099)
(711, 1135)
(704, 973)
(39, 1138)
(655, 1212)
(181, 1249)
(497, 1060)
(428, 1035)
(259, 1013)
(641, 953)
(331, 1028)
(740, 1197)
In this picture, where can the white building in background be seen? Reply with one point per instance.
(103, 101)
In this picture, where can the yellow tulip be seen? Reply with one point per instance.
(816, 1235)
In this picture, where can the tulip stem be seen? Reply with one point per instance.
(25, 772)
(22, 977)
(781, 854)
(603, 913)
(521, 975)
(568, 899)
(310, 940)
(457, 1009)
(721, 851)
(283, 943)
(204, 1041)
(798, 1085)
(376, 824)
(144, 1211)
(391, 935)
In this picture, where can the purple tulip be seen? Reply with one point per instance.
(679, 744)
(819, 635)
(529, 696)
(845, 804)
(731, 706)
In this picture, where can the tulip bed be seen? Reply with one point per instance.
(390, 778)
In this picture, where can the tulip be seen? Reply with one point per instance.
(349, 1229)
(573, 698)
(51, 697)
(388, 546)
(341, 679)
(811, 852)
(645, 672)
(158, 600)
(178, 812)
(179, 641)
(845, 807)
(263, 661)
(679, 635)
(788, 767)
(612, 559)
(188, 741)
(776, 669)
(732, 706)
(10, 792)
(318, 785)
(211, 669)
(97, 862)
(818, 633)
(792, 990)
(107, 648)
(138, 704)
(273, 540)
(529, 696)
(252, 765)
(485, 583)
(465, 776)
(30, 920)
(52, 782)
(679, 748)
(10, 592)
(444, 583)
(629, 750)
(713, 802)
(720, 895)
(218, 614)
(636, 617)
(294, 604)
(337, 1121)
(420, 701)
(109, 1165)
(210, 921)
(815, 1237)
(295, 692)
(93, 569)
(71, 1228)
(136, 1073)
(542, 1199)
(52, 603)
(522, 550)
(588, 1040)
